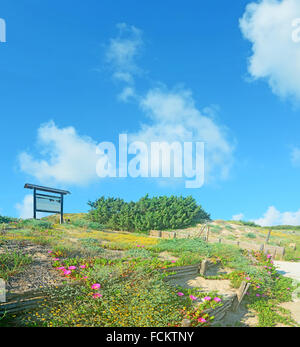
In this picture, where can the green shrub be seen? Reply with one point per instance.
(4, 219)
(249, 224)
(83, 223)
(157, 213)
(35, 224)
(251, 235)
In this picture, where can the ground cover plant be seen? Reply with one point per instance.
(117, 279)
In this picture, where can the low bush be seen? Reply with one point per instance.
(157, 213)
(35, 224)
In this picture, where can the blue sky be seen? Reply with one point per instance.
(60, 78)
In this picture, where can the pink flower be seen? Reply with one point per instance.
(173, 261)
(61, 268)
(67, 272)
(97, 295)
(84, 278)
(193, 297)
(96, 286)
(269, 256)
(257, 295)
(82, 266)
(55, 259)
(201, 320)
(180, 294)
(257, 287)
(288, 288)
(207, 298)
(269, 272)
(248, 278)
(72, 267)
(49, 252)
(217, 299)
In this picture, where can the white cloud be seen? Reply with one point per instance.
(268, 25)
(295, 156)
(25, 208)
(126, 94)
(171, 114)
(174, 116)
(71, 158)
(238, 217)
(274, 217)
(122, 52)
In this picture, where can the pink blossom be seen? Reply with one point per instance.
(201, 320)
(67, 272)
(248, 278)
(55, 259)
(193, 297)
(257, 295)
(96, 286)
(61, 268)
(180, 294)
(217, 299)
(82, 266)
(72, 267)
(49, 252)
(97, 295)
(269, 256)
(207, 298)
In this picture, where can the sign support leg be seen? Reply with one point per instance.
(62, 209)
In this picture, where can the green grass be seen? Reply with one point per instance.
(12, 263)
(133, 288)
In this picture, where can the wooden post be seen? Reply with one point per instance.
(61, 209)
(185, 323)
(268, 237)
(240, 295)
(207, 233)
(34, 203)
(203, 267)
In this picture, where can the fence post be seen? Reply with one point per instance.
(203, 267)
(186, 323)
(268, 237)
(240, 295)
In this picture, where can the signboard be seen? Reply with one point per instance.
(48, 203)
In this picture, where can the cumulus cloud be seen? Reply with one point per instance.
(274, 217)
(273, 27)
(70, 158)
(173, 116)
(122, 52)
(170, 114)
(238, 217)
(26, 207)
(295, 156)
